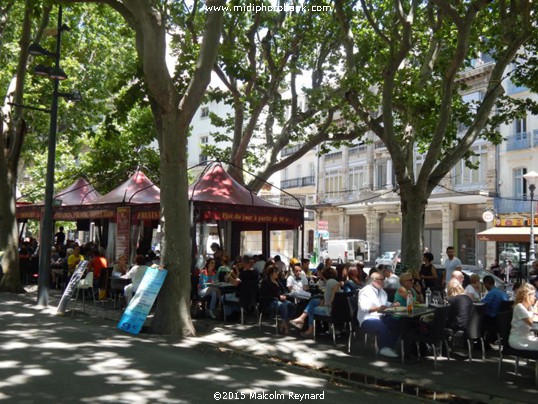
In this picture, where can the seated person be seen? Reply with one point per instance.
(273, 296)
(319, 306)
(208, 276)
(493, 300)
(74, 259)
(407, 283)
(391, 279)
(121, 267)
(372, 302)
(461, 306)
(521, 334)
(297, 283)
(474, 288)
(224, 269)
(98, 265)
(136, 274)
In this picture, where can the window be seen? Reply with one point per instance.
(332, 184)
(520, 184)
(204, 112)
(204, 139)
(298, 171)
(465, 176)
(311, 169)
(357, 178)
(285, 174)
(520, 125)
(381, 175)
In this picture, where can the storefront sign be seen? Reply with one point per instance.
(123, 230)
(323, 225)
(514, 222)
(135, 314)
(256, 218)
(488, 216)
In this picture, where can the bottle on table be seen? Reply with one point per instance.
(428, 297)
(409, 302)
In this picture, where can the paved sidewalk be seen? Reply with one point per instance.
(456, 380)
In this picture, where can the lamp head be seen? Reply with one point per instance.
(41, 70)
(37, 50)
(56, 73)
(531, 177)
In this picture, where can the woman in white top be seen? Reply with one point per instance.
(136, 273)
(521, 334)
(473, 289)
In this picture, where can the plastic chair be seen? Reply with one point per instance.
(504, 324)
(84, 284)
(341, 313)
(435, 336)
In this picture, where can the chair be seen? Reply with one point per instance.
(263, 308)
(504, 324)
(341, 313)
(84, 284)
(435, 336)
(355, 326)
(248, 298)
(473, 331)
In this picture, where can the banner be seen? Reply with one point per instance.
(138, 309)
(71, 286)
(123, 231)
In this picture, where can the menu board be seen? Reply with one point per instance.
(138, 309)
(71, 286)
(123, 229)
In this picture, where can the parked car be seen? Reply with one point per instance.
(389, 258)
(512, 254)
(468, 270)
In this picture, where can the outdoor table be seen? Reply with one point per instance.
(116, 286)
(417, 312)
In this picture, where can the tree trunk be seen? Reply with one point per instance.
(172, 315)
(9, 232)
(413, 202)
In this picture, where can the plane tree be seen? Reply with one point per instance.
(403, 76)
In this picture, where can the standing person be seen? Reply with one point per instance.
(521, 334)
(136, 274)
(59, 237)
(452, 263)
(373, 302)
(507, 271)
(279, 264)
(428, 272)
(495, 268)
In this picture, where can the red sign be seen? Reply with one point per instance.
(123, 230)
(323, 225)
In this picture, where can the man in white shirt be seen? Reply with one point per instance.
(391, 280)
(297, 282)
(452, 263)
(372, 302)
(260, 263)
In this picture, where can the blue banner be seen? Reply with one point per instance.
(138, 309)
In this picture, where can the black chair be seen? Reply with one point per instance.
(391, 292)
(355, 326)
(264, 308)
(504, 324)
(473, 331)
(341, 314)
(247, 293)
(435, 336)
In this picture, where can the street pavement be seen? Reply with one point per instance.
(85, 358)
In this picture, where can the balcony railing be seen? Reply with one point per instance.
(512, 205)
(357, 149)
(335, 155)
(290, 150)
(298, 182)
(519, 141)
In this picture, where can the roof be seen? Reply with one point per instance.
(80, 191)
(136, 190)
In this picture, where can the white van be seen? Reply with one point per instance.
(350, 250)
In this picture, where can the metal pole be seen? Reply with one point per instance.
(47, 229)
(532, 250)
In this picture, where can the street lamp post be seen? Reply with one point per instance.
(47, 229)
(531, 178)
